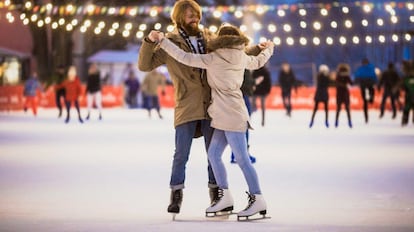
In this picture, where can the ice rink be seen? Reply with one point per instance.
(113, 175)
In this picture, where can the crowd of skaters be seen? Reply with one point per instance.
(390, 83)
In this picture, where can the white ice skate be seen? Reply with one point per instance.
(222, 206)
(256, 205)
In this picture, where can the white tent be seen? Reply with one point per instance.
(116, 64)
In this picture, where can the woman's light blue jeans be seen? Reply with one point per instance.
(238, 144)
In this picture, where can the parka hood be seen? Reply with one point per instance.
(227, 41)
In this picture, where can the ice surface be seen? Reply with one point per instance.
(113, 175)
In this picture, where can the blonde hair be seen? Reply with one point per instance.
(178, 11)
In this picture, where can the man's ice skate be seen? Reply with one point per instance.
(175, 203)
(223, 206)
(256, 205)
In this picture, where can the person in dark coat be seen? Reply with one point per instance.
(287, 81)
(343, 80)
(93, 90)
(263, 84)
(60, 91)
(408, 87)
(366, 78)
(133, 86)
(321, 95)
(389, 80)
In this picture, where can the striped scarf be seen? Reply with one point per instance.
(200, 41)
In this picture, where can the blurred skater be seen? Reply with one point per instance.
(263, 84)
(93, 90)
(408, 87)
(133, 86)
(60, 92)
(343, 81)
(389, 81)
(321, 95)
(287, 81)
(31, 88)
(73, 90)
(366, 78)
(152, 81)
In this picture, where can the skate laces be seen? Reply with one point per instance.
(220, 194)
(251, 198)
(177, 196)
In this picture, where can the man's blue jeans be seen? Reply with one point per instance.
(237, 142)
(184, 135)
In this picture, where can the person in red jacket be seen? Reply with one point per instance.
(73, 90)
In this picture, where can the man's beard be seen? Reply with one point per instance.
(191, 29)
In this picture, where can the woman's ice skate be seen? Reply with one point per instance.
(256, 205)
(223, 206)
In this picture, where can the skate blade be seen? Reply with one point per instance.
(252, 218)
(173, 216)
(220, 215)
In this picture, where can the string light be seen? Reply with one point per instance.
(153, 13)
(303, 24)
(316, 40)
(407, 37)
(115, 25)
(317, 25)
(290, 41)
(394, 19)
(277, 41)
(345, 10)
(111, 32)
(364, 22)
(342, 40)
(355, 39)
(142, 27)
(348, 24)
(271, 28)
(367, 8)
(126, 33)
(303, 41)
(213, 28)
(157, 26)
(394, 38)
(139, 35)
(380, 22)
(41, 15)
(368, 39)
(287, 28)
(329, 40)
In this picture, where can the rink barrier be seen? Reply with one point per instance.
(11, 98)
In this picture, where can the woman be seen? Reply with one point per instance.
(225, 69)
(93, 90)
(321, 94)
(73, 90)
(343, 80)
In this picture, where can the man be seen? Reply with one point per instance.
(389, 81)
(366, 78)
(287, 81)
(191, 92)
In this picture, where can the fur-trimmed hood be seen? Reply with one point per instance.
(228, 41)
